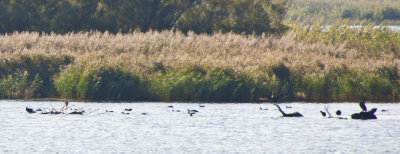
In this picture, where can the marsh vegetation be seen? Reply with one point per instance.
(197, 56)
(308, 63)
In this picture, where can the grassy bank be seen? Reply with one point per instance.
(308, 63)
(378, 11)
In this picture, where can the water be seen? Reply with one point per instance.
(217, 128)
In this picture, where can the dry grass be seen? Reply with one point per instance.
(253, 54)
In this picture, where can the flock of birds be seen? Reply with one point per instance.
(364, 114)
(68, 110)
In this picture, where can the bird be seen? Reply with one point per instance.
(263, 109)
(195, 111)
(288, 107)
(29, 110)
(383, 110)
(338, 112)
(201, 106)
(175, 110)
(65, 106)
(323, 113)
(191, 112)
(170, 106)
(128, 109)
(273, 98)
(363, 107)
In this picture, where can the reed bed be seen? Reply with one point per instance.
(334, 65)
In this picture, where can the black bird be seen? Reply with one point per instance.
(323, 113)
(201, 105)
(194, 111)
(338, 112)
(128, 109)
(29, 110)
(191, 112)
(273, 98)
(170, 106)
(383, 110)
(263, 109)
(363, 107)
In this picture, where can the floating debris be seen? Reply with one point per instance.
(364, 115)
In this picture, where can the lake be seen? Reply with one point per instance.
(216, 128)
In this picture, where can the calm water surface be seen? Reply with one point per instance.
(216, 128)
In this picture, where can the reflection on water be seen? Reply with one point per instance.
(216, 128)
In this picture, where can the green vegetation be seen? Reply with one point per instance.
(201, 16)
(377, 11)
(29, 76)
(100, 83)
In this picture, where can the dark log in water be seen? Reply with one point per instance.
(365, 115)
(29, 110)
(294, 114)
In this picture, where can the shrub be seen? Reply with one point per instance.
(15, 86)
(103, 82)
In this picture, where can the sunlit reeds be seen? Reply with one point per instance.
(340, 63)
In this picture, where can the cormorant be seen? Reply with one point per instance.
(128, 109)
(191, 112)
(338, 112)
(323, 113)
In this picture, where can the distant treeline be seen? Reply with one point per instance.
(312, 11)
(200, 16)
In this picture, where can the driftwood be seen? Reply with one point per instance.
(338, 113)
(365, 115)
(294, 114)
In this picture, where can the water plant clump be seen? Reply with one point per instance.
(100, 82)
